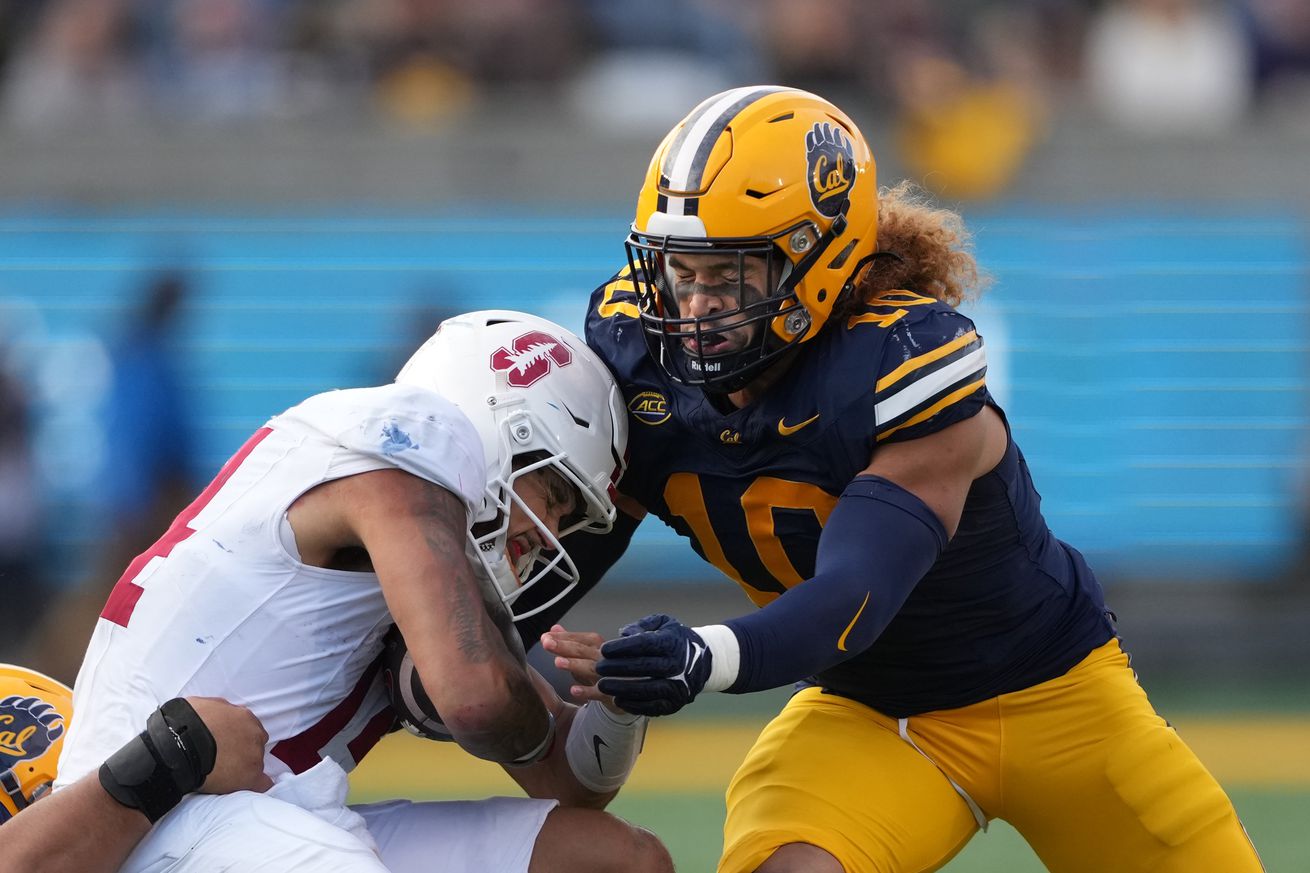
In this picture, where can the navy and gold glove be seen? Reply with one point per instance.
(656, 667)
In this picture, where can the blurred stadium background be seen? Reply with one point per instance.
(210, 209)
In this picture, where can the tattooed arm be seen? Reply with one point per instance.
(414, 534)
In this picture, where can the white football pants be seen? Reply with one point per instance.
(302, 824)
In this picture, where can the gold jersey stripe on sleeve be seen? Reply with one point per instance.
(901, 298)
(954, 397)
(609, 307)
(921, 361)
(929, 383)
(888, 309)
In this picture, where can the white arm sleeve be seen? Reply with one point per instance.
(602, 746)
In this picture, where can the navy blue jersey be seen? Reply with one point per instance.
(1005, 606)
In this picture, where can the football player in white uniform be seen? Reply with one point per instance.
(84, 829)
(429, 504)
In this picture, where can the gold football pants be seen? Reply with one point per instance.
(1081, 766)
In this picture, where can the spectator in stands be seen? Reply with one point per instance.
(218, 60)
(964, 134)
(1280, 38)
(74, 70)
(429, 60)
(670, 53)
(1169, 66)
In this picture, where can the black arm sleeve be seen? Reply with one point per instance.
(593, 554)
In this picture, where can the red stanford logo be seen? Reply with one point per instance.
(530, 358)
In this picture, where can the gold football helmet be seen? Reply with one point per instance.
(764, 172)
(34, 714)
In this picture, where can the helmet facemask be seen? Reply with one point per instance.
(489, 536)
(774, 314)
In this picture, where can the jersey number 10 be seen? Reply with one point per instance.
(686, 499)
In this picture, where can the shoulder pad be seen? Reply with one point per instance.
(891, 308)
(933, 368)
(617, 297)
(404, 426)
(612, 330)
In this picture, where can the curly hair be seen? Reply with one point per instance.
(933, 253)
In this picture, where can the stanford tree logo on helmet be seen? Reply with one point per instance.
(530, 357)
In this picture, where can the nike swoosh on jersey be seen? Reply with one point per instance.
(789, 429)
(596, 743)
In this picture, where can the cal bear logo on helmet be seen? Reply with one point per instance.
(28, 725)
(831, 161)
(531, 357)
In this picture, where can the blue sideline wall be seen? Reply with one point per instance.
(1155, 366)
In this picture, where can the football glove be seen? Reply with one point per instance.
(656, 667)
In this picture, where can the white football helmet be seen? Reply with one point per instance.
(532, 388)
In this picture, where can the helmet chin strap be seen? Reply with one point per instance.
(803, 266)
(14, 790)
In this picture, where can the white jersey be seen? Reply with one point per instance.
(222, 606)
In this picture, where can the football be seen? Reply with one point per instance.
(414, 709)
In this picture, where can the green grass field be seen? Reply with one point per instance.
(1259, 751)
(1277, 820)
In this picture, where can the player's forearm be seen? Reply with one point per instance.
(78, 830)
(566, 788)
(878, 543)
(551, 778)
(493, 711)
(592, 758)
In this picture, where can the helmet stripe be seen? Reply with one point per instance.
(685, 161)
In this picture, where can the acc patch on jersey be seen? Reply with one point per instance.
(28, 725)
(649, 407)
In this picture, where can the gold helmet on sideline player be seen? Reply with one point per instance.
(769, 172)
(34, 715)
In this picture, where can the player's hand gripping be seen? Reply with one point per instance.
(240, 740)
(576, 652)
(656, 667)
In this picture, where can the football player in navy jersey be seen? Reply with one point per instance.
(810, 411)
